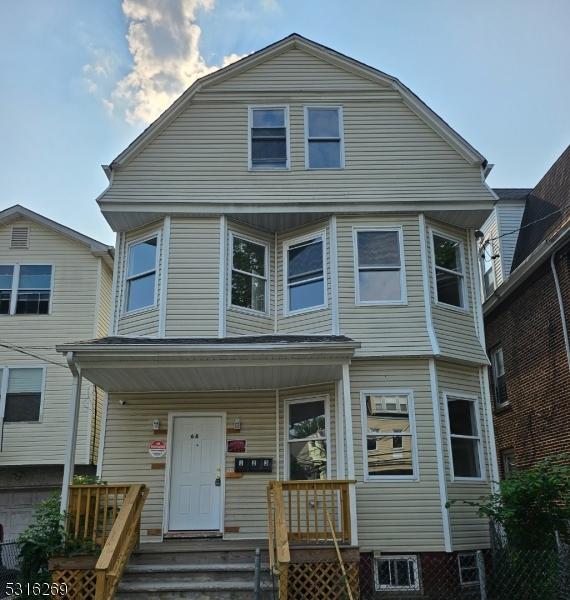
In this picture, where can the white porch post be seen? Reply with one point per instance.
(73, 419)
(350, 471)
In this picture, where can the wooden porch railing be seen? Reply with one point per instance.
(109, 516)
(305, 513)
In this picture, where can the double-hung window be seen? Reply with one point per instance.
(22, 392)
(324, 138)
(141, 274)
(396, 573)
(449, 270)
(498, 375)
(268, 138)
(25, 289)
(488, 268)
(464, 438)
(305, 274)
(380, 269)
(249, 276)
(389, 430)
(307, 438)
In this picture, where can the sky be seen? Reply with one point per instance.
(80, 79)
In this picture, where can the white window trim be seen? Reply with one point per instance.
(458, 395)
(460, 568)
(339, 110)
(404, 292)
(303, 400)
(364, 427)
(493, 352)
(230, 269)
(139, 240)
(286, 245)
(285, 108)
(482, 250)
(4, 390)
(16, 283)
(464, 295)
(397, 588)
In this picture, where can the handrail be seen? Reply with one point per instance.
(120, 543)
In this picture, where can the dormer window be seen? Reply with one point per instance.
(141, 274)
(269, 147)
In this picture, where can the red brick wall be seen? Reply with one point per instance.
(528, 326)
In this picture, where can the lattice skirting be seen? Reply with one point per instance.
(318, 581)
(81, 583)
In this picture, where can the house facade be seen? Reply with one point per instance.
(526, 319)
(296, 298)
(55, 287)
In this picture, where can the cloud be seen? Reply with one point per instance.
(164, 42)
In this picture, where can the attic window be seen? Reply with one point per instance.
(20, 237)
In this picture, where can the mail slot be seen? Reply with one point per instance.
(254, 465)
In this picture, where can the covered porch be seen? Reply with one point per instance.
(237, 438)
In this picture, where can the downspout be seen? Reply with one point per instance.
(560, 305)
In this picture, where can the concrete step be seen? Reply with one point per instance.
(139, 573)
(193, 590)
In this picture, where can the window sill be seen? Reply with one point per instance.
(391, 478)
(248, 311)
(381, 303)
(457, 309)
(502, 408)
(325, 168)
(139, 311)
(469, 480)
(304, 311)
(267, 169)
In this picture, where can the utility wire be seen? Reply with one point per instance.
(33, 355)
(527, 225)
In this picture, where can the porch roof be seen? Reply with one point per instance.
(127, 364)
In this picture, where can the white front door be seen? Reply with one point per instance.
(196, 470)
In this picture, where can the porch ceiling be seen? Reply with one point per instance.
(166, 365)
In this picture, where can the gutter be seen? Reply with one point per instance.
(541, 253)
(560, 305)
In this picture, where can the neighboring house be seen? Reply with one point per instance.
(55, 286)
(297, 268)
(526, 318)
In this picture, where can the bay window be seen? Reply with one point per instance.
(305, 274)
(141, 274)
(248, 274)
(449, 270)
(380, 275)
(464, 438)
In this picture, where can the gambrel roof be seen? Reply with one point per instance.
(470, 154)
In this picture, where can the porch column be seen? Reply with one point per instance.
(72, 422)
(350, 471)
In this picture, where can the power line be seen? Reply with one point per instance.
(527, 225)
(33, 355)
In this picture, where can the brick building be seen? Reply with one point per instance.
(525, 258)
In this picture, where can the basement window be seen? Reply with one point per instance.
(396, 573)
(468, 569)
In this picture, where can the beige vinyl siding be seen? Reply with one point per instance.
(298, 70)
(468, 530)
(72, 318)
(391, 154)
(509, 216)
(398, 516)
(105, 298)
(244, 322)
(382, 329)
(491, 230)
(454, 327)
(129, 430)
(143, 322)
(312, 321)
(193, 282)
